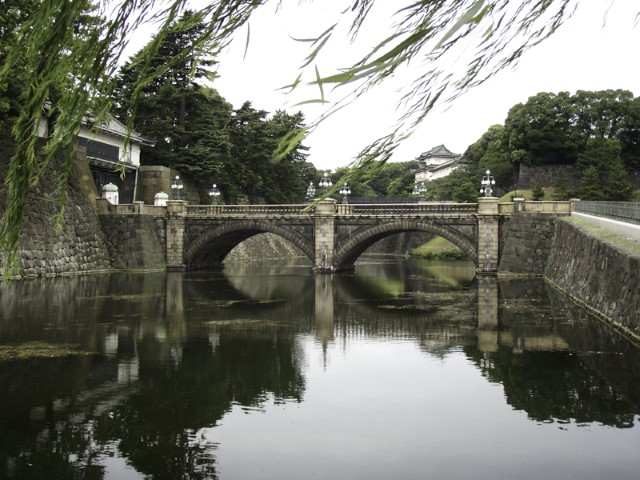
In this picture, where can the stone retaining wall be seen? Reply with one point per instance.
(602, 276)
(527, 243)
(135, 242)
(78, 246)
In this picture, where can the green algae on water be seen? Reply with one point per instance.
(28, 350)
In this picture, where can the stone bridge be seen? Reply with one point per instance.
(331, 235)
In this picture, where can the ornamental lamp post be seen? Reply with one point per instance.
(325, 181)
(177, 187)
(487, 184)
(214, 193)
(311, 191)
(420, 190)
(345, 191)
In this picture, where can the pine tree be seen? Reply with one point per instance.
(561, 187)
(537, 192)
(617, 186)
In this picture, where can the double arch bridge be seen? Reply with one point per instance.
(331, 235)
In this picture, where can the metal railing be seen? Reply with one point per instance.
(624, 211)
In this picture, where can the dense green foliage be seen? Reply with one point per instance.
(198, 133)
(382, 179)
(596, 132)
(15, 12)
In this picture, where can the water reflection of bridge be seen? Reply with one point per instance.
(151, 347)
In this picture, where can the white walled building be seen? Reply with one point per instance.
(437, 163)
(107, 155)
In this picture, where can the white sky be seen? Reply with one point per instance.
(581, 55)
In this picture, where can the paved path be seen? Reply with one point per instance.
(628, 230)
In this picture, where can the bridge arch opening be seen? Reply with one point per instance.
(213, 245)
(350, 250)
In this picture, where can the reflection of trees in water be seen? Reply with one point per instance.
(554, 386)
(279, 283)
(285, 298)
(157, 425)
(168, 376)
(606, 351)
(592, 380)
(36, 440)
(425, 308)
(178, 365)
(417, 273)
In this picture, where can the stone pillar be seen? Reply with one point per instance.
(176, 215)
(324, 235)
(488, 235)
(574, 203)
(518, 204)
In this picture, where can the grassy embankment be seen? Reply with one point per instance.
(605, 235)
(438, 248)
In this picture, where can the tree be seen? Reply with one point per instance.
(57, 56)
(604, 176)
(197, 132)
(16, 12)
(554, 128)
(537, 192)
(543, 129)
(561, 190)
(390, 179)
(490, 152)
(251, 171)
(461, 185)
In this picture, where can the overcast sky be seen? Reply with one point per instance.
(582, 55)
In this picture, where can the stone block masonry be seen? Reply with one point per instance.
(528, 243)
(602, 276)
(134, 241)
(76, 246)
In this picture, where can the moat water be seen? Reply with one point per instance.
(407, 370)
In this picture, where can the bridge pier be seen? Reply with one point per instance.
(488, 236)
(176, 217)
(488, 314)
(324, 235)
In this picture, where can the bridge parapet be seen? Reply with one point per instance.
(138, 208)
(555, 207)
(265, 211)
(408, 209)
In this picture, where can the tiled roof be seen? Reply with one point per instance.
(439, 151)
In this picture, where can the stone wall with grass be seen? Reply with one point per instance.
(599, 269)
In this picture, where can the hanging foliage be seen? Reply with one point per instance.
(68, 61)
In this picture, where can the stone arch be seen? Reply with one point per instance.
(354, 246)
(215, 243)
